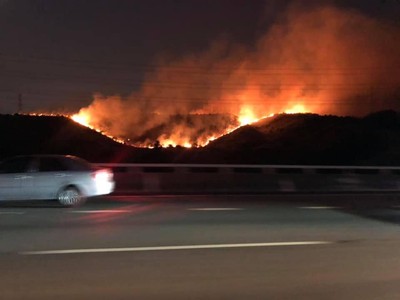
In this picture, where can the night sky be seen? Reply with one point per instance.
(57, 53)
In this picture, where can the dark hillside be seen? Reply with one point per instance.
(311, 139)
(29, 134)
(283, 139)
(23, 134)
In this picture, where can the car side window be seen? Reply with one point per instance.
(76, 164)
(51, 164)
(15, 165)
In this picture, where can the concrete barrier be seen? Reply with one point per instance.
(252, 179)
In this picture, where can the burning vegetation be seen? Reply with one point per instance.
(324, 60)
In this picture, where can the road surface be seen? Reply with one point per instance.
(202, 247)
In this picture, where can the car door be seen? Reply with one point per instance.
(14, 178)
(50, 177)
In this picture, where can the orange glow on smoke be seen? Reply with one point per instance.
(298, 65)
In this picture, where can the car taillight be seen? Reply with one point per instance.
(103, 175)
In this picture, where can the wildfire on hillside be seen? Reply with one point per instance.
(247, 116)
(324, 60)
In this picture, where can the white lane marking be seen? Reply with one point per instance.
(215, 208)
(319, 207)
(98, 211)
(12, 212)
(184, 247)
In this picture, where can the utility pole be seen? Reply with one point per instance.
(19, 103)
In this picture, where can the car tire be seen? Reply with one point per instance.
(70, 196)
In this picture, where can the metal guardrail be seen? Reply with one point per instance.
(279, 169)
(216, 178)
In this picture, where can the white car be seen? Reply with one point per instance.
(68, 179)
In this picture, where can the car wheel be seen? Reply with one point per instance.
(70, 196)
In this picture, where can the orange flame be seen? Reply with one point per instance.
(82, 118)
(296, 109)
(247, 115)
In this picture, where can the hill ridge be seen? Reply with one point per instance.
(283, 139)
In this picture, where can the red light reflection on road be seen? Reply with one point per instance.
(108, 215)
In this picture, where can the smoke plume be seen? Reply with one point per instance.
(324, 60)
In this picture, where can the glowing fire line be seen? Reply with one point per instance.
(246, 117)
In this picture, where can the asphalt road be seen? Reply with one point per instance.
(202, 247)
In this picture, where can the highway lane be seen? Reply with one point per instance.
(202, 247)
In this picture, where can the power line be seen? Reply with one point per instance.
(217, 101)
(220, 85)
(192, 69)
